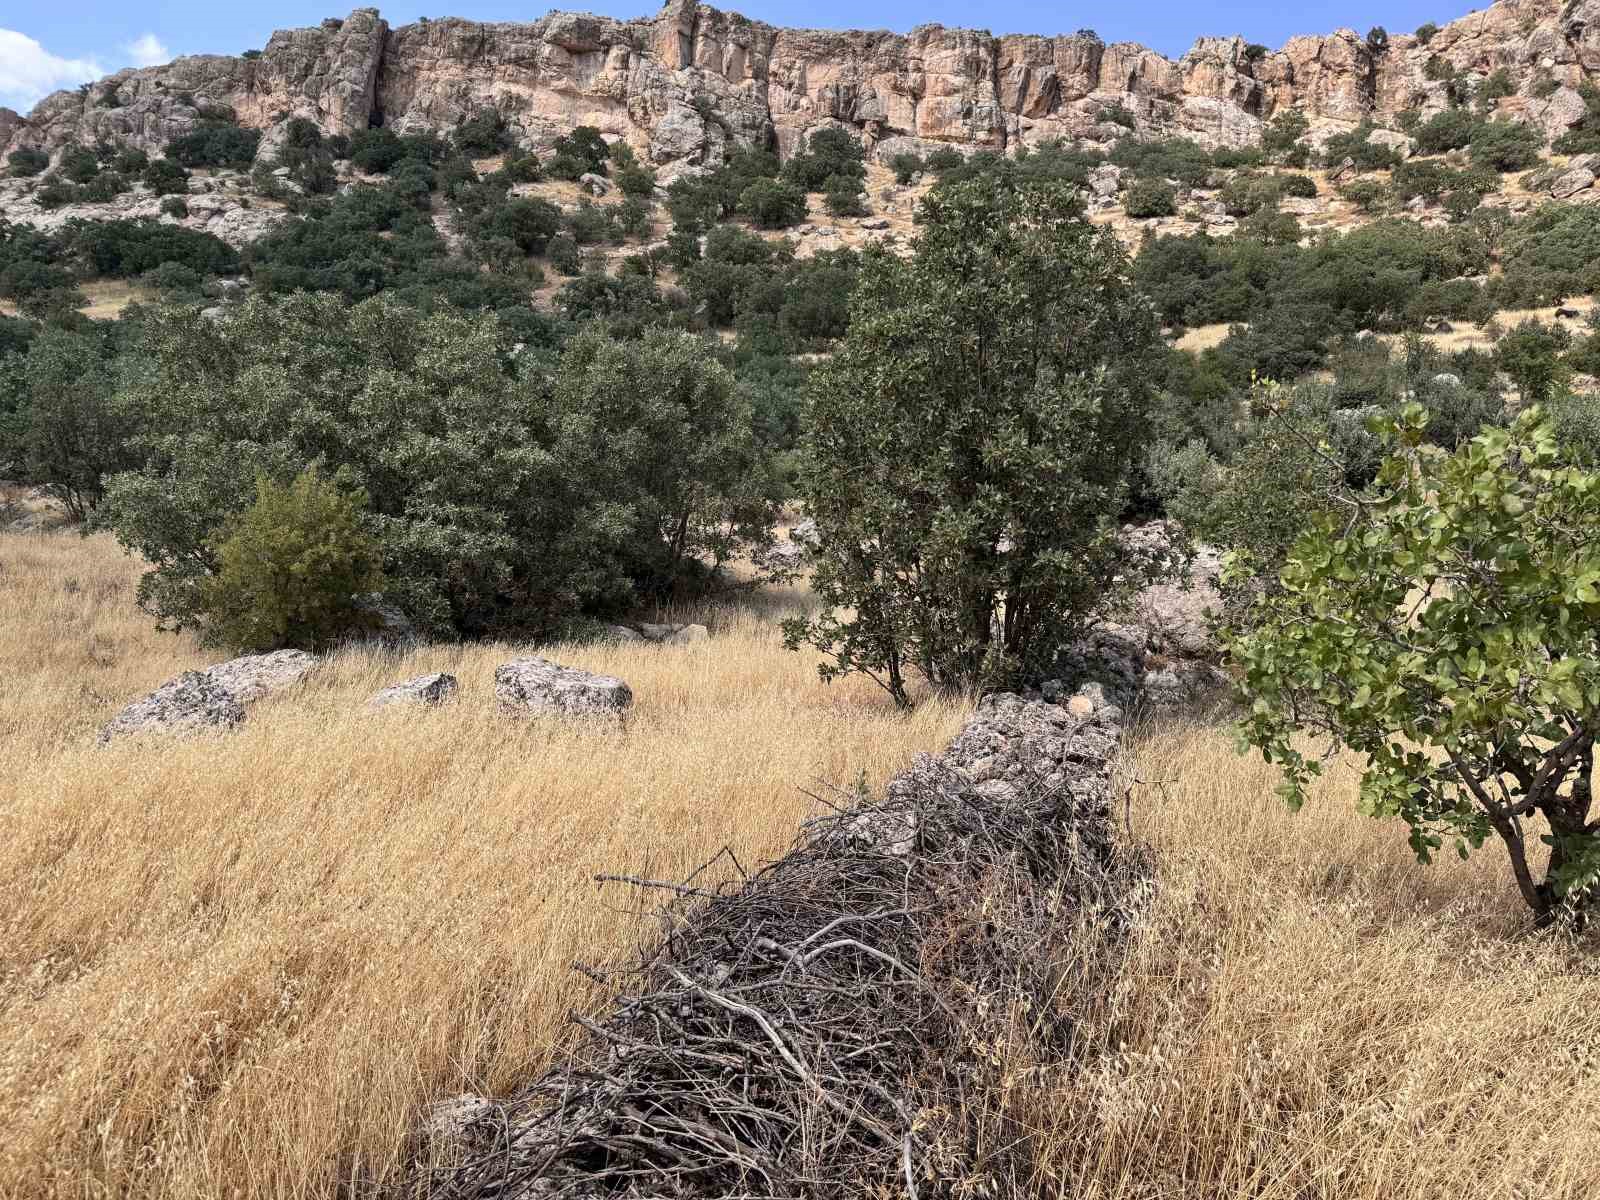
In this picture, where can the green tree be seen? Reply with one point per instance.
(1151, 198)
(773, 204)
(1530, 354)
(290, 568)
(1444, 626)
(74, 429)
(971, 438)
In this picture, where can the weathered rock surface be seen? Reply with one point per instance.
(536, 685)
(191, 703)
(253, 676)
(424, 690)
(685, 84)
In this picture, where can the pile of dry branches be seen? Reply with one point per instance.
(813, 1030)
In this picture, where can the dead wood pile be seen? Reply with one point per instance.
(811, 1030)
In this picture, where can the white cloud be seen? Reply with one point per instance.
(29, 72)
(146, 50)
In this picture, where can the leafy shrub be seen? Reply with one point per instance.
(842, 196)
(831, 151)
(375, 151)
(27, 162)
(909, 575)
(78, 164)
(773, 203)
(1505, 146)
(214, 143)
(290, 567)
(1425, 32)
(164, 177)
(174, 206)
(1150, 198)
(1357, 146)
(1174, 158)
(1378, 39)
(945, 158)
(581, 152)
(906, 166)
(636, 181)
(483, 134)
(1437, 69)
(1118, 115)
(173, 281)
(562, 252)
(1293, 184)
(1369, 195)
(123, 249)
(1464, 728)
(1495, 86)
(1281, 137)
(1531, 354)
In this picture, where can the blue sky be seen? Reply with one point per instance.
(47, 44)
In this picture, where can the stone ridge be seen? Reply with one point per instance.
(685, 84)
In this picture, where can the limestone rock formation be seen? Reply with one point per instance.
(424, 691)
(192, 702)
(538, 686)
(253, 676)
(686, 84)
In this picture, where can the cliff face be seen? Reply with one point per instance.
(686, 83)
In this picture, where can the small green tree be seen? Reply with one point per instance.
(290, 567)
(773, 203)
(1447, 627)
(1151, 198)
(970, 441)
(842, 195)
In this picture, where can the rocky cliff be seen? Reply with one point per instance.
(684, 84)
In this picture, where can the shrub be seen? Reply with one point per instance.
(636, 181)
(906, 166)
(1378, 39)
(946, 158)
(773, 203)
(123, 249)
(832, 151)
(1357, 146)
(1495, 86)
(483, 134)
(1292, 184)
(1028, 444)
(175, 206)
(27, 162)
(1118, 115)
(1466, 727)
(1505, 146)
(375, 151)
(172, 281)
(1425, 32)
(1369, 195)
(583, 151)
(1438, 70)
(1530, 354)
(130, 160)
(842, 196)
(215, 143)
(166, 178)
(1150, 198)
(562, 251)
(78, 164)
(1281, 137)
(290, 567)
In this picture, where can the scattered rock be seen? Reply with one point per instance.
(536, 685)
(1447, 379)
(428, 690)
(620, 633)
(596, 185)
(784, 555)
(1394, 139)
(686, 635)
(253, 676)
(451, 1118)
(191, 703)
(1572, 181)
(875, 223)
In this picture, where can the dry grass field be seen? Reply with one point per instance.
(237, 966)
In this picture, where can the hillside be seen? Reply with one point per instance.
(684, 85)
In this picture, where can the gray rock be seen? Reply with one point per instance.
(428, 690)
(191, 703)
(1394, 139)
(538, 686)
(597, 185)
(783, 556)
(875, 223)
(1447, 379)
(652, 632)
(253, 676)
(386, 621)
(804, 533)
(451, 1118)
(1572, 181)
(619, 633)
(686, 635)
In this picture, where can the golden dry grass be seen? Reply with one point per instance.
(237, 966)
(1307, 1014)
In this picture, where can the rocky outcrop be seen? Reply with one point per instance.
(211, 699)
(191, 703)
(540, 687)
(425, 691)
(684, 85)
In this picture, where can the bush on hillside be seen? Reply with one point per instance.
(1150, 198)
(27, 162)
(214, 143)
(1467, 728)
(924, 460)
(773, 204)
(290, 568)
